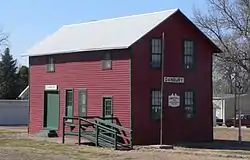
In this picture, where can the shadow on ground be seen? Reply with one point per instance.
(218, 144)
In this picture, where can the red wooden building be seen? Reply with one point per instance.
(112, 68)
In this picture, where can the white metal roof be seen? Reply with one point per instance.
(116, 33)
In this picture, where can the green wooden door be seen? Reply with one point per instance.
(52, 110)
(82, 102)
(107, 108)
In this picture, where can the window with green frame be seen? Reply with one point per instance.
(69, 103)
(156, 52)
(155, 106)
(189, 103)
(50, 64)
(188, 54)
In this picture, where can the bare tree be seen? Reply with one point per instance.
(227, 23)
(3, 40)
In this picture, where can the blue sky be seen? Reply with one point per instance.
(29, 21)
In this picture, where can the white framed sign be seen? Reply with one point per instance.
(174, 79)
(174, 100)
(51, 87)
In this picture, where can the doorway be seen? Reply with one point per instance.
(51, 110)
(107, 108)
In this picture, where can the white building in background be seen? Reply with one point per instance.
(224, 105)
(15, 112)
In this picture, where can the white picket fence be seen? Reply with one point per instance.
(14, 112)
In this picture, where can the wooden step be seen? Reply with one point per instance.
(71, 133)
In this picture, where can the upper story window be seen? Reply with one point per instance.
(156, 52)
(107, 62)
(51, 64)
(188, 54)
(189, 103)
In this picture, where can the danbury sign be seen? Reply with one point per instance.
(174, 79)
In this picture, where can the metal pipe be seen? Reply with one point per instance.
(63, 131)
(97, 136)
(239, 109)
(162, 86)
(79, 131)
(235, 100)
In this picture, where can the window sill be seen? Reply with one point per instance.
(156, 68)
(106, 68)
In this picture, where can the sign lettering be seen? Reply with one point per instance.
(174, 79)
(51, 87)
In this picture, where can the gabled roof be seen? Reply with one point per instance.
(116, 33)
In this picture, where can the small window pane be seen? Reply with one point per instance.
(107, 62)
(155, 104)
(188, 54)
(82, 102)
(50, 64)
(108, 106)
(69, 104)
(156, 46)
(189, 103)
(188, 59)
(83, 99)
(156, 60)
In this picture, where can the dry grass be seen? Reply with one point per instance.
(231, 133)
(20, 147)
(6, 131)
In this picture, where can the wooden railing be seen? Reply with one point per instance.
(122, 132)
(97, 130)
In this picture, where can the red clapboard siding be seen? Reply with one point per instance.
(82, 70)
(176, 126)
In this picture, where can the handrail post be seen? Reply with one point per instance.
(131, 144)
(79, 131)
(63, 132)
(115, 140)
(97, 134)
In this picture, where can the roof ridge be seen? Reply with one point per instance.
(122, 17)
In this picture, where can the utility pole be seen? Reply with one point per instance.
(235, 99)
(162, 85)
(239, 109)
(239, 88)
